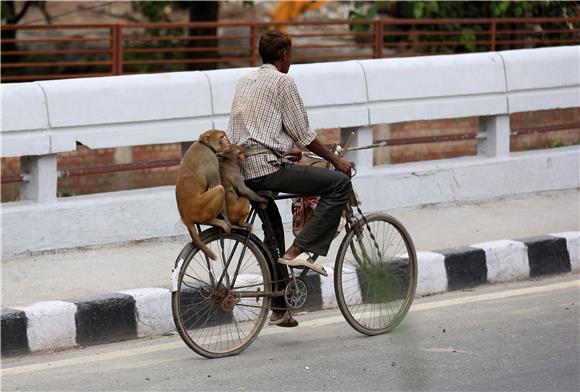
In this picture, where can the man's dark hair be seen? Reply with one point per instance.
(272, 45)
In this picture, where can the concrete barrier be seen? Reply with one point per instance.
(24, 120)
(542, 82)
(43, 118)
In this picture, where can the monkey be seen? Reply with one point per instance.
(238, 195)
(199, 193)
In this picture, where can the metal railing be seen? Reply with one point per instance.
(162, 163)
(42, 52)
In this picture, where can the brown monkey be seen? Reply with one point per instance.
(238, 195)
(198, 191)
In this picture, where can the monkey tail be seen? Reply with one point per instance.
(198, 243)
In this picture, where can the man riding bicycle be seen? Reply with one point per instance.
(269, 119)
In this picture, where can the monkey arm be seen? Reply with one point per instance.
(243, 190)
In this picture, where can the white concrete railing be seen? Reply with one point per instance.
(41, 119)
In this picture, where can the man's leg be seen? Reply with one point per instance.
(334, 189)
(276, 247)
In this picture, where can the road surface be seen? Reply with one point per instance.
(517, 336)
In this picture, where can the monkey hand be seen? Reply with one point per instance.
(262, 202)
(246, 225)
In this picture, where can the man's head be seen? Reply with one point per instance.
(276, 48)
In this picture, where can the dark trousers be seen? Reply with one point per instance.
(334, 189)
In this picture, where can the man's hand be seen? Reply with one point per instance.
(342, 165)
(294, 155)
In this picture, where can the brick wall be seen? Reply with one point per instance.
(424, 151)
(156, 177)
(547, 139)
(10, 167)
(84, 157)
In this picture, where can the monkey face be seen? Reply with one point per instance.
(225, 143)
(237, 152)
(217, 139)
(241, 155)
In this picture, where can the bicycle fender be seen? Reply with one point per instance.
(187, 249)
(190, 247)
(175, 275)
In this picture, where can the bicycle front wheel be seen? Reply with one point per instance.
(219, 307)
(375, 274)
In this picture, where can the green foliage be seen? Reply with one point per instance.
(470, 35)
(560, 142)
(484, 9)
(160, 12)
(363, 10)
(7, 11)
(154, 11)
(468, 39)
(423, 8)
(66, 193)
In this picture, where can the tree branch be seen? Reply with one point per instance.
(22, 12)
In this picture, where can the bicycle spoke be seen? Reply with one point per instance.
(212, 317)
(375, 275)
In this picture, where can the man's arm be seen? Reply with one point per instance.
(321, 150)
(295, 122)
(294, 117)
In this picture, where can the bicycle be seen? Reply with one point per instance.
(219, 307)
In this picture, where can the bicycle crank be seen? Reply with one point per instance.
(296, 293)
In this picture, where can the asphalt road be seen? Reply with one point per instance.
(521, 336)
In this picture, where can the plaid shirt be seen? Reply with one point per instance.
(267, 111)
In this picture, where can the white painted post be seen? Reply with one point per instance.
(496, 142)
(41, 178)
(363, 136)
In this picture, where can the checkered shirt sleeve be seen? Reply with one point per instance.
(267, 111)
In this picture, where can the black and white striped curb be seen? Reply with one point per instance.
(58, 325)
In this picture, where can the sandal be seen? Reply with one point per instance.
(285, 321)
(305, 261)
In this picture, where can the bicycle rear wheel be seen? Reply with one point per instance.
(219, 307)
(375, 274)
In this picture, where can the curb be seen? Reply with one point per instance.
(139, 313)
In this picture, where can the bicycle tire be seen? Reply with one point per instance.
(209, 321)
(383, 280)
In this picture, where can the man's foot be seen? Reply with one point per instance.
(292, 252)
(303, 260)
(281, 318)
(277, 315)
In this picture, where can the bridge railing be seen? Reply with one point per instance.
(41, 119)
(44, 52)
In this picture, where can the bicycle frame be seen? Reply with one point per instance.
(226, 289)
(352, 222)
